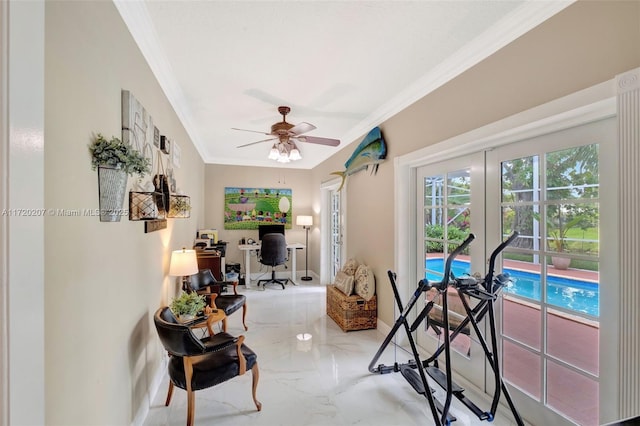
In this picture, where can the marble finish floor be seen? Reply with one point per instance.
(321, 382)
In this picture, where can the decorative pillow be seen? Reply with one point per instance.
(350, 267)
(365, 282)
(344, 283)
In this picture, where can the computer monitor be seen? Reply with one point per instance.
(269, 229)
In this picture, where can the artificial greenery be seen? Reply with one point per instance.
(116, 153)
(179, 205)
(188, 304)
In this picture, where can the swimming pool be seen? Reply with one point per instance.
(581, 296)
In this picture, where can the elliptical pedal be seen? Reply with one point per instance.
(414, 379)
(457, 391)
(416, 382)
(441, 378)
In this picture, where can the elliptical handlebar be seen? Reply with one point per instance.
(447, 267)
(494, 255)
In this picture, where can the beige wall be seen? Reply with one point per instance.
(585, 44)
(217, 177)
(103, 281)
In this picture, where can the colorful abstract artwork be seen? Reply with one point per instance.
(246, 208)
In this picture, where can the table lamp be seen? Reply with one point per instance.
(183, 264)
(306, 222)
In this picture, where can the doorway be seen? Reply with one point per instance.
(333, 226)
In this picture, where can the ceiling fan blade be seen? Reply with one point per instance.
(321, 141)
(301, 128)
(253, 131)
(253, 143)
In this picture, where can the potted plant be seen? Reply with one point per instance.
(187, 305)
(115, 160)
(119, 155)
(558, 236)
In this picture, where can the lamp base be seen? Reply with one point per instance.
(306, 278)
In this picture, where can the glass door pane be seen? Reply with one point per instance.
(335, 232)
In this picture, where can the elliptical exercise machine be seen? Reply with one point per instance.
(486, 292)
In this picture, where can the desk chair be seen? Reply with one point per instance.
(196, 364)
(273, 252)
(205, 283)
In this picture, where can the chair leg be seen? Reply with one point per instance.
(191, 407)
(169, 393)
(255, 376)
(224, 324)
(244, 315)
(191, 395)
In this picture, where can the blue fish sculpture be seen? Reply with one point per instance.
(371, 152)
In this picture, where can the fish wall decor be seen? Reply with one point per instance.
(371, 152)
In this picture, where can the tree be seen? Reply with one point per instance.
(572, 177)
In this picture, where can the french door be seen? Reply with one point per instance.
(451, 206)
(549, 319)
(333, 230)
(551, 190)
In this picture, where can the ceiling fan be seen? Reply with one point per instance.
(286, 134)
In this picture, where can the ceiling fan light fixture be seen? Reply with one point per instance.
(283, 158)
(295, 154)
(274, 153)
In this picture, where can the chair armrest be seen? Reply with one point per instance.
(209, 297)
(221, 284)
(220, 341)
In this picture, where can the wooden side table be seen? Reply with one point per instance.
(213, 317)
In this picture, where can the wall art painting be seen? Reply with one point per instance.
(246, 208)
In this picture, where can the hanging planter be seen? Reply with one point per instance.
(112, 184)
(114, 160)
(179, 206)
(144, 205)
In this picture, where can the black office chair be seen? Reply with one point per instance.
(206, 284)
(273, 252)
(196, 364)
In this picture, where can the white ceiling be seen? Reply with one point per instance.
(344, 66)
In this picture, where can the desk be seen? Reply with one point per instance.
(248, 248)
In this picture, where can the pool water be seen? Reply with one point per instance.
(580, 296)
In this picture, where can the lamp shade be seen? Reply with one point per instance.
(304, 220)
(183, 263)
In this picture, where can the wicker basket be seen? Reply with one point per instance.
(351, 312)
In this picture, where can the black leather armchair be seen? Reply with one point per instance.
(196, 364)
(273, 252)
(205, 283)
